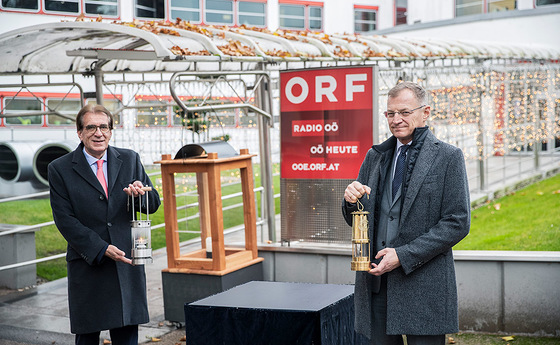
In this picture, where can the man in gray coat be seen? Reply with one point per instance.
(418, 199)
(90, 190)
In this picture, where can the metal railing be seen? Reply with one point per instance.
(495, 174)
(260, 220)
(23, 197)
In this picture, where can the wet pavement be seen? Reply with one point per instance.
(39, 315)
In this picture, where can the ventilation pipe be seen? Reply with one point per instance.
(16, 160)
(47, 153)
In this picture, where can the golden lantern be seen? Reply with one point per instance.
(360, 240)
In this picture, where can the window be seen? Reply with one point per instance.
(103, 7)
(177, 117)
(292, 16)
(219, 12)
(113, 105)
(222, 12)
(188, 10)
(67, 6)
(547, 2)
(69, 107)
(149, 9)
(251, 13)
(401, 12)
(315, 14)
(365, 19)
(501, 5)
(22, 106)
(468, 7)
(21, 4)
(154, 113)
(315, 18)
(91, 7)
(301, 17)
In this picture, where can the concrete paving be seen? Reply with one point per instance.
(39, 315)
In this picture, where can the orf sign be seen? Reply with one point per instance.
(326, 122)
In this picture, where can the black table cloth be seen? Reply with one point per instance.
(274, 313)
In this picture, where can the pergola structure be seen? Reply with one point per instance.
(173, 55)
(81, 47)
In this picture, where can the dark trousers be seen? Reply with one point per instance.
(127, 335)
(379, 333)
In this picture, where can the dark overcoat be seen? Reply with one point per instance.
(101, 294)
(435, 215)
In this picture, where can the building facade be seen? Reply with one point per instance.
(329, 16)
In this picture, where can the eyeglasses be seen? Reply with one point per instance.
(90, 129)
(404, 113)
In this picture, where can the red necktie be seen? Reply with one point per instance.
(101, 176)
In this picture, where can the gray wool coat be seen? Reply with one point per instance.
(435, 215)
(102, 294)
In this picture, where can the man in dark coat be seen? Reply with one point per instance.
(90, 192)
(419, 209)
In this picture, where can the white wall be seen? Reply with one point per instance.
(272, 14)
(339, 14)
(426, 11)
(12, 21)
(541, 29)
(430, 10)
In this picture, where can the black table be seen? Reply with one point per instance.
(262, 313)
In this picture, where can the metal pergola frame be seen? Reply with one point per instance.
(103, 49)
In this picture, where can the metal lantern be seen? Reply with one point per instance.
(360, 240)
(141, 233)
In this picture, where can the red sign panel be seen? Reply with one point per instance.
(326, 122)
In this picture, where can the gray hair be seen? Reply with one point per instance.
(416, 89)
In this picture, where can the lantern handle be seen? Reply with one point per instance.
(146, 189)
(360, 205)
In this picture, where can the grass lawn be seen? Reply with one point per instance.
(526, 220)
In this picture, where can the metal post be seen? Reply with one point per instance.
(375, 100)
(99, 83)
(482, 185)
(263, 96)
(550, 113)
(537, 141)
(480, 143)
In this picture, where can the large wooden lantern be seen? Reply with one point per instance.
(208, 171)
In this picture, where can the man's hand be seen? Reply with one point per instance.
(117, 254)
(354, 191)
(134, 189)
(389, 262)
